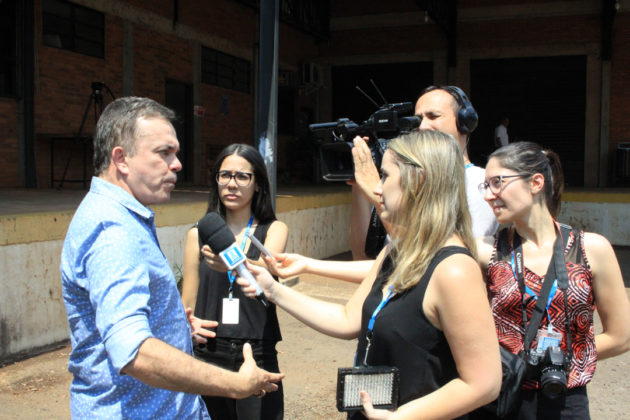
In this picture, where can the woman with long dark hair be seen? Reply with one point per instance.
(240, 193)
(523, 185)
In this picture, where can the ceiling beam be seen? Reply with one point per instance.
(444, 14)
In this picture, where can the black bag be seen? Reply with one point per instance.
(514, 368)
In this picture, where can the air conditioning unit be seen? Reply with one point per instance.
(311, 74)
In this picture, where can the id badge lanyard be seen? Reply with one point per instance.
(370, 328)
(517, 269)
(231, 275)
(556, 266)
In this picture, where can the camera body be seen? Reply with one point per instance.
(550, 367)
(389, 121)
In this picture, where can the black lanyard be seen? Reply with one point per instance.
(557, 270)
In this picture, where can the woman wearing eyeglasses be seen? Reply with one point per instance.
(423, 307)
(240, 193)
(523, 185)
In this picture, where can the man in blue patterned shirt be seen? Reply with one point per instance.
(131, 337)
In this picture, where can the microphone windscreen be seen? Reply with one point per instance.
(214, 232)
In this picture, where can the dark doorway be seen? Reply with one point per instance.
(398, 82)
(179, 99)
(545, 100)
(8, 50)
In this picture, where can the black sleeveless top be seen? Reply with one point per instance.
(405, 338)
(255, 322)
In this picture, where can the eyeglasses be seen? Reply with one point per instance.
(243, 179)
(496, 185)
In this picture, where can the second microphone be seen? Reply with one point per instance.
(214, 232)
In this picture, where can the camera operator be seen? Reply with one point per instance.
(523, 185)
(443, 108)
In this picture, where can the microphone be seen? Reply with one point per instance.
(214, 232)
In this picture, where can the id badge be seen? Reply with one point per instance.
(230, 311)
(547, 337)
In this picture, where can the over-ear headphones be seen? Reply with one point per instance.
(467, 117)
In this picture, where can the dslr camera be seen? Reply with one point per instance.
(549, 367)
(389, 121)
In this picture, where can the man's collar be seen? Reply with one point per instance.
(118, 194)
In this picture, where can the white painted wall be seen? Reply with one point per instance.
(32, 314)
(611, 220)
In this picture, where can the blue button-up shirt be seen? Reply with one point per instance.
(119, 290)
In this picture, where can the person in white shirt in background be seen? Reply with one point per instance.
(500, 133)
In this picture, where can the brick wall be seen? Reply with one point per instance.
(218, 129)
(226, 19)
(161, 53)
(158, 57)
(62, 94)
(9, 143)
(620, 82)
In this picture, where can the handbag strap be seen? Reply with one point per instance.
(563, 278)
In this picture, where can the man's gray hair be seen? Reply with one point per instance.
(117, 127)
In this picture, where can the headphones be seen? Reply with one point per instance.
(467, 117)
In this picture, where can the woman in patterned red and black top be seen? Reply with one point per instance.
(523, 186)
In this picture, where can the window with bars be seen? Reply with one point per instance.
(225, 70)
(72, 27)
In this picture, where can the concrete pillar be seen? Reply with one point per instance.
(196, 135)
(592, 121)
(127, 59)
(604, 136)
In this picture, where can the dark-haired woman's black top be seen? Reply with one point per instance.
(405, 338)
(255, 322)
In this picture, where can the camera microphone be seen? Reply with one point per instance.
(214, 232)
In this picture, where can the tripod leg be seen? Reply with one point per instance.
(65, 169)
(77, 139)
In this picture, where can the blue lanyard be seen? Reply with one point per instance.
(552, 292)
(378, 309)
(231, 275)
(556, 269)
(468, 165)
(370, 327)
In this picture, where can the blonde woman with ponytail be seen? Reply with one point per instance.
(434, 323)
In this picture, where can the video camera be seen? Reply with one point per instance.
(389, 121)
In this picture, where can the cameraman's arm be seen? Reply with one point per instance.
(359, 222)
(365, 171)
(363, 199)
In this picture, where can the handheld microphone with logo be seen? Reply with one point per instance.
(214, 232)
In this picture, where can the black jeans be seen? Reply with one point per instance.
(228, 354)
(535, 406)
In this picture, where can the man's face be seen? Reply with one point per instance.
(151, 171)
(437, 111)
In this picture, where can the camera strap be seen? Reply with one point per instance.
(556, 272)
